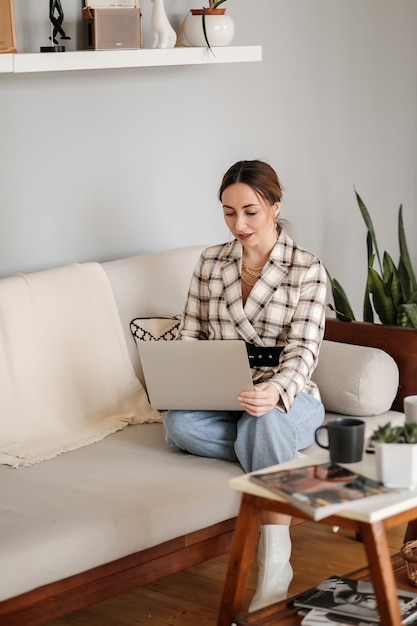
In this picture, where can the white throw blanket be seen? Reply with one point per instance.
(65, 375)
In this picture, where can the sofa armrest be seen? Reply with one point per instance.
(400, 343)
(356, 380)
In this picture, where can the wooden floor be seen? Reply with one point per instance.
(192, 597)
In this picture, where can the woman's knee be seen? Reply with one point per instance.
(309, 419)
(173, 427)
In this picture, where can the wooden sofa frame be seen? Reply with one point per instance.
(100, 583)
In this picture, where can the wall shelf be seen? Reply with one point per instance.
(109, 59)
(6, 63)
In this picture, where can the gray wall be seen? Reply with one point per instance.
(101, 164)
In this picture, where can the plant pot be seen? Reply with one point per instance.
(220, 28)
(396, 464)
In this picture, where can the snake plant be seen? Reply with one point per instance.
(215, 3)
(391, 293)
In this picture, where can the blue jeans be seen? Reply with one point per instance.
(254, 442)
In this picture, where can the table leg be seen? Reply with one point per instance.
(241, 556)
(382, 575)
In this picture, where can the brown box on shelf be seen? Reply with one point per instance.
(106, 4)
(113, 28)
(7, 27)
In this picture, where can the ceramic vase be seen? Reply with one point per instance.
(220, 28)
(396, 464)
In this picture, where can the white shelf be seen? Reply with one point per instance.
(6, 63)
(109, 59)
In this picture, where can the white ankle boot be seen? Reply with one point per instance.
(274, 569)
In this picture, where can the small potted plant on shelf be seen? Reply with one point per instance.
(209, 26)
(396, 454)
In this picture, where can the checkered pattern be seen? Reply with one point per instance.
(286, 307)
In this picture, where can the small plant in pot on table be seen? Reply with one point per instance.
(396, 455)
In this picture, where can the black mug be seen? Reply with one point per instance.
(346, 437)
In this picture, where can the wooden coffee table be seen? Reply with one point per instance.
(370, 518)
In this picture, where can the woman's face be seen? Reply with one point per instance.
(249, 217)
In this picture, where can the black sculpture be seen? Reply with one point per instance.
(55, 5)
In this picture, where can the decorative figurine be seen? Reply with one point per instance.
(164, 35)
(56, 27)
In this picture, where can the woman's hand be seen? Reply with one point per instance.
(260, 400)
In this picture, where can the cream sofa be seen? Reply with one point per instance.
(106, 517)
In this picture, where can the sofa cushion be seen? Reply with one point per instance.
(155, 328)
(356, 380)
(128, 492)
(151, 285)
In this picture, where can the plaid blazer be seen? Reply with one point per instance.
(286, 308)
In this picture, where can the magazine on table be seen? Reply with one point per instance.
(318, 617)
(353, 599)
(320, 490)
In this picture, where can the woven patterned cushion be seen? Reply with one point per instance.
(155, 328)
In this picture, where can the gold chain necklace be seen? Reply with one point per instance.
(247, 283)
(255, 272)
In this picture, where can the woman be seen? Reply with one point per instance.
(262, 288)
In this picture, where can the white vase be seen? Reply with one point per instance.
(164, 36)
(396, 464)
(220, 30)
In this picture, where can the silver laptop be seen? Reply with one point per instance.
(195, 374)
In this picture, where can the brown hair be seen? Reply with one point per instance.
(260, 176)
